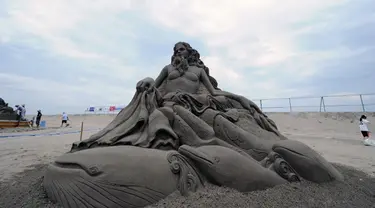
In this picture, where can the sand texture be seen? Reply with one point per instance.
(26, 190)
(357, 191)
(335, 136)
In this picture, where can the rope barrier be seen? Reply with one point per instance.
(45, 134)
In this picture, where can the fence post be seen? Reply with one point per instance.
(320, 107)
(363, 105)
(290, 104)
(261, 104)
(322, 104)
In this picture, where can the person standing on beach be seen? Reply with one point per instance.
(64, 119)
(18, 110)
(23, 112)
(363, 127)
(38, 117)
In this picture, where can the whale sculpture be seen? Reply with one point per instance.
(178, 132)
(119, 176)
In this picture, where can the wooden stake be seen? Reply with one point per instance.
(80, 137)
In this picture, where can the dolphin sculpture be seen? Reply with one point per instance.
(306, 162)
(225, 167)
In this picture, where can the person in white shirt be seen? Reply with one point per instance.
(363, 127)
(64, 119)
(23, 112)
(18, 111)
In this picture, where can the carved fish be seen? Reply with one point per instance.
(118, 176)
(225, 167)
(306, 162)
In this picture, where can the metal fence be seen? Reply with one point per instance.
(328, 103)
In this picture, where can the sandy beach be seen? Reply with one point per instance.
(22, 158)
(18, 153)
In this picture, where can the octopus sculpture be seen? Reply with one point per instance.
(179, 132)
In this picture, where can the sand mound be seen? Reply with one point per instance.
(357, 191)
(26, 190)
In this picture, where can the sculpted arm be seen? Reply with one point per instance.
(149, 83)
(163, 74)
(206, 81)
(247, 104)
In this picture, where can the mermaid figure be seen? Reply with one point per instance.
(178, 132)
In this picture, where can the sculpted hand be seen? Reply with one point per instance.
(248, 104)
(145, 84)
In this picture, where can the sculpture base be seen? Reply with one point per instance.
(13, 124)
(8, 117)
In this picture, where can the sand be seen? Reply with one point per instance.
(26, 190)
(335, 136)
(19, 153)
(357, 191)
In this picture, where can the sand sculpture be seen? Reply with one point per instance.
(179, 132)
(6, 112)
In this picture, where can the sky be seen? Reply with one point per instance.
(67, 55)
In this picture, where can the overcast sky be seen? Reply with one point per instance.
(66, 55)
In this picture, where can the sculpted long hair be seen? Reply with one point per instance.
(193, 59)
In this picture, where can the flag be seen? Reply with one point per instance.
(92, 109)
(112, 108)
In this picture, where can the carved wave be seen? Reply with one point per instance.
(283, 168)
(189, 179)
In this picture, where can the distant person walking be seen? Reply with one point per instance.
(64, 119)
(38, 117)
(363, 127)
(23, 112)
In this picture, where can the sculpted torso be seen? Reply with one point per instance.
(187, 82)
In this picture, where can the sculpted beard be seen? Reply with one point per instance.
(180, 63)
